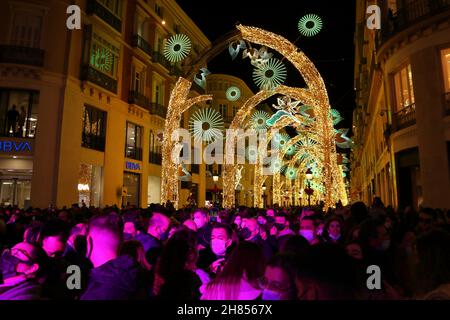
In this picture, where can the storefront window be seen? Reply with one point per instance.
(15, 192)
(90, 185)
(132, 184)
(18, 113)
(404, 90)
(133, 148)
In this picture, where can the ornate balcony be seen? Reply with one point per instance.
(157, 109)
(405, 118)
(139, 99)
(159, 58)
(90, 74)
(138, 42)
(94, 7)
(22, 55)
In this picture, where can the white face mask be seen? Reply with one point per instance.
(218, 247)
(269, 295)
(333, 237)
(307, 234)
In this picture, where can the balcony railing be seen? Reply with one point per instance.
(155, 158)
(90, 74)
(132, 152)
(405, 117)
(141, 100)
(411, 13)
(22, 55)
(157, 109)
(94, 7)
(92, 141)
(159, 58)
(138, 42)
(447, 104)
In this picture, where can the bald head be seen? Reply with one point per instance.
(158, 224)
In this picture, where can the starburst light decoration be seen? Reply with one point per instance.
(206, 125)
(271, 75)
(177, 48)
(280, 140)
(258, 121)
(233, 93)
(291, 173)
(310, 25)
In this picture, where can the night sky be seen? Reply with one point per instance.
(332, 51)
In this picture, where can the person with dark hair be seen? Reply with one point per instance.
(239, 279)
(427, 218)
(175, 275)
(294, 245)
(157, 231)
(433, 266)
(308, 230)
(130, 226)
(278, 282)
(114, 277)
(251, 232)
(358, 213)
(201, 219)
(23, 271)
(54, 237)
(32, 233)
(332, 231)
(325, 272)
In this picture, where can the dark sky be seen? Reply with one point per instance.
(332, 50)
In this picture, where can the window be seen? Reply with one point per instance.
(26, 30)
(132, 183)
(90, 184)
(155, 149)
(158, 95)
(446, 67)
(18, 113)
(138, 79)
(176, 28)
(404, 90)
(114, 6)
(235, 110)
(94, 128)
(223, 110)
(158, 10)
(133, 148)
(104, 56)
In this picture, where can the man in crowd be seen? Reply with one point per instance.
(204, 228)
(308, 230)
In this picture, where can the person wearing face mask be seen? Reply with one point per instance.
(157, 231)
(221, 246)
(113, 277)
(278, 282)
(23, 269)
(308, 230)
(251, 232)
(332, 231)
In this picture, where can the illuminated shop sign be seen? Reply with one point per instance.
(14, 146)
(132, 166)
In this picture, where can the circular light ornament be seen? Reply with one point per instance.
(291, 150)
(291, 173)
(251, 153)
(270, 75)
(281, 140)
(233, 94)
(206, 125)
(177, 48)
(258, 120)
(310, 25)
(276, 166)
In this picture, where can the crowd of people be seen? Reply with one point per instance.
(296, 253)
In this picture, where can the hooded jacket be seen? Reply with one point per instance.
(117, 279)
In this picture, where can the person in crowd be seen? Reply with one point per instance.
(237, 222)
(113, 277)
(251, 232)
(157, 231)
(176, 274)
(308, 230)
(130, 226)
(294, 245)
(427, 218)
(278, 282)
(282, 226)
(354, 250)
(358, 213)
(332, 231)
(32, 232)
(54, 238)
(190, 224)
(201, 219)
(433, 266)
(239, 279)
(23, 272)
(325, 272)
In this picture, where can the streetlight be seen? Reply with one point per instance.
(264, 195)
(215, 179)
(309, 191)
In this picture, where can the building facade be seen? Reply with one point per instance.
(83, 110)
(402, 120)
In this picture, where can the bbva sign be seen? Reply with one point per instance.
(13, 146)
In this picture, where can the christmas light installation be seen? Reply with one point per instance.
(291, 173)
(233, 93)
(177, 48)
(310, 25)
(235, 47)
(200, 78)
(206, 125)
(291, 150)
(251, 154)
(102, 59)
(270, 75)
(258, 120)
(281, 140)
(258, 58)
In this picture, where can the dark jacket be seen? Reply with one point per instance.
(117, 279)
(152, 247)
(27, 290)
(265, 246)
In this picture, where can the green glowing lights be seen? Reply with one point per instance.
(310, 25)
(102, 59)
(281, 140)
(233, 94)
(177, 48)
(258, 120)
(291, 173)
(206, 125)
(270, 75)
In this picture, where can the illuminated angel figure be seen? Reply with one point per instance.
(310, 25)
(206, 125)
(200, 78)
(238, 177)
(258, 58)
(177, 48)
(235, 47)
(183, 173)
(271, 75)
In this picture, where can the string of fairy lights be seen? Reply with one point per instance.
(307, 110)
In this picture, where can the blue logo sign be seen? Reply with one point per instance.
(13, 146)
(132, 166)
